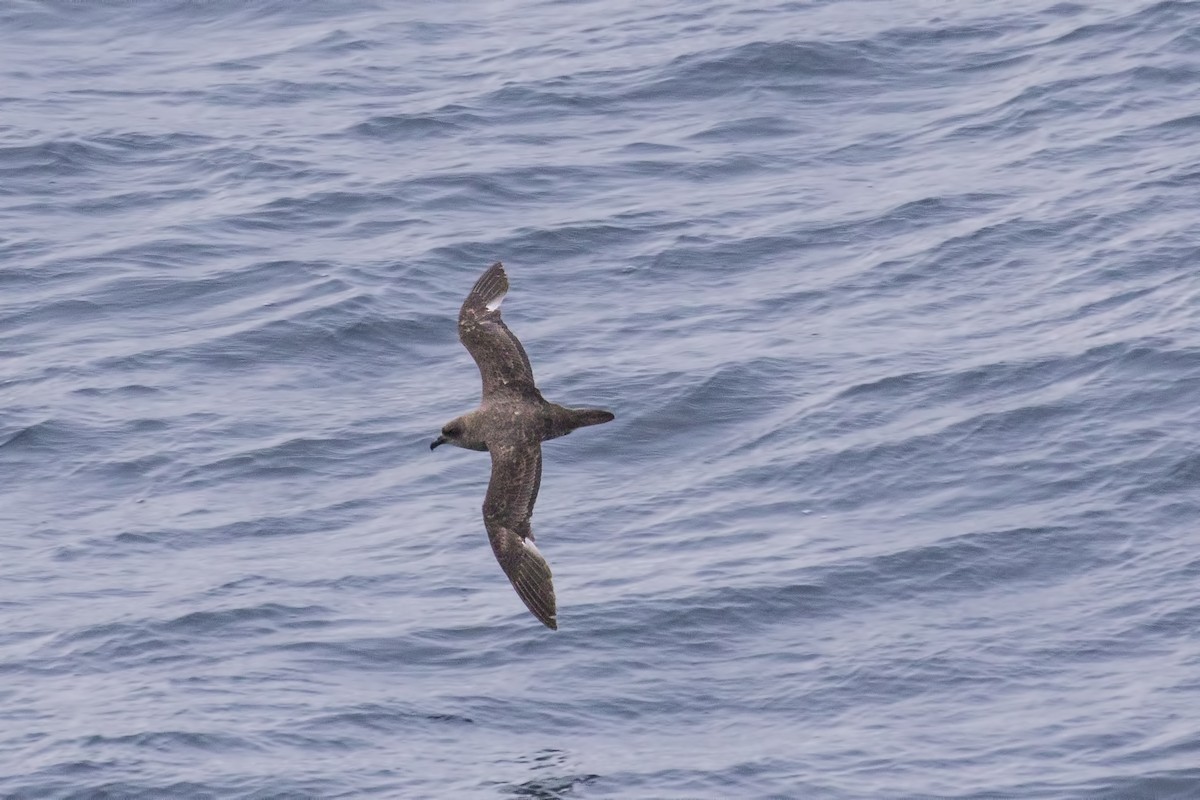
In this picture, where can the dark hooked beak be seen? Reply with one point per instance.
(437, 441)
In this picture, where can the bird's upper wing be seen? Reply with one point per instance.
(502, 361)
(507, 507)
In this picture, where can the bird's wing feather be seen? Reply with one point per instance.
(502, 361)
(507, 507)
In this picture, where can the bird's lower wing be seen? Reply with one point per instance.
(527, 571)
(507, 507)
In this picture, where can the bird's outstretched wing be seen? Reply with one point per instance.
(507, 507)
(498, 353)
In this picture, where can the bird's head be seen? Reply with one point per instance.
(452, 432)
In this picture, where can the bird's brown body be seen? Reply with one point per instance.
(521, 421)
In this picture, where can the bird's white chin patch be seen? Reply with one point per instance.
(495, 303)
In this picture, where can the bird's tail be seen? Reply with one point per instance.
(582, 417)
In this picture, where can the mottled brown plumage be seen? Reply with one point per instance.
(512, 421)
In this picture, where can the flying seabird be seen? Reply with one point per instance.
(512, 421)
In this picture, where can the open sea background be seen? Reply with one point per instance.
(897, 304)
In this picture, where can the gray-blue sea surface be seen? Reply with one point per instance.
(897, 305)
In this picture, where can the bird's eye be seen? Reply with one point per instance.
(451, 430)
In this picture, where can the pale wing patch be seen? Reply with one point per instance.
(529, 545)
(495, 302)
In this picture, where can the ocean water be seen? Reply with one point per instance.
(897, 305)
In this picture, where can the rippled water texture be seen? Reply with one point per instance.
(896, 304)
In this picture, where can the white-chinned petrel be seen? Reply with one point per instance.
(512, 421)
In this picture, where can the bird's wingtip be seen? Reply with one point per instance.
(488, 292)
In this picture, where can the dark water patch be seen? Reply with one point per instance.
(376, 654)
(729, 397)
(989, 561)
(293, 458)
(549, 788)
(171, 252)
(1185, 179)
(58, 158)
(381, 719)
(987, 63)
(126, 540)
(937, 36)
(715, 781)
(53, 312)
(333, 335)
(995, 562)
(692, 255)
(998, 249)
(1116, 300)
(166, 294)
(132, 390)
(978, 460)
(1147, 77)
(790, 67)
(35, 441)
(316, 743)
(566, 241)
(67, 15)
(248, 621)
(119, 645)
(985, 382)
(1165, 475)
(1159, 358)
(136, 468)
(34, 170)
(388, 584)
(272, 166)
(748, 128)
(248, 582)
(170, 741)
(1167, 627)
(62, 781)
(1167, 15)
(451, 191)
(341, 346)
(268, 93)
(1023, 113)
(341, 41)
(562, 102)
(399, 128)
(318, 211)
(141, 143)
(299, 523)
(1171, 784)
(473, 188)
(691, 617)
(16, 255)
(726, 167)
(1184, 125)
(914, 216)
(642, 149)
